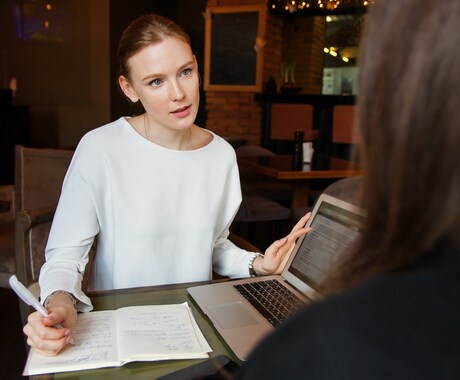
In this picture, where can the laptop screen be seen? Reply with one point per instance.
(334, 229)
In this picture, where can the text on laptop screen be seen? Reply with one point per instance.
(333, 232)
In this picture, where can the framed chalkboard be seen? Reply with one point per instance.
(234, 42)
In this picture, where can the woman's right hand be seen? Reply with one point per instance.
(41, 334)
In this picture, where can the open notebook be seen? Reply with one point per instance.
(242, 311)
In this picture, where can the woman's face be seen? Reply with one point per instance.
(164, 77)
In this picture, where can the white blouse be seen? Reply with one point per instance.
(162, 216)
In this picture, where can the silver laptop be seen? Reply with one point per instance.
(243, 318)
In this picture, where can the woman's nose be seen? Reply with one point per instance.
(177, 93)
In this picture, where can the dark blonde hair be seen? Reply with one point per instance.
(409, 95)
(144, 31)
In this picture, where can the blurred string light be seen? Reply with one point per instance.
(333, 52)
(291, 6)
(47, 22)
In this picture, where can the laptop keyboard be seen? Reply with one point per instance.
(271, 299)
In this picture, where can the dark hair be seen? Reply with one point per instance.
(409, 95)
(144, 31)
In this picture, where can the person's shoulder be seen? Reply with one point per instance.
(221, 143)
(104, 138)
(379, 319)
(106, 130)
(373, 298)
(339, 310)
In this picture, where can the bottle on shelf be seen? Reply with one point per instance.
(297, 157)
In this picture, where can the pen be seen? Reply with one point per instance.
(24, 294)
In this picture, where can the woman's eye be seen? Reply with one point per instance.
(186, 72)
(155, 82)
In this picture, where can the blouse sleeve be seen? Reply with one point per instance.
(74, 227)
(228, 259)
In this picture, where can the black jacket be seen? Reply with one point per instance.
(404, 326)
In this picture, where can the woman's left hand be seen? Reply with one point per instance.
(277, 255)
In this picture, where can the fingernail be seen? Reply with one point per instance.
(70, 340)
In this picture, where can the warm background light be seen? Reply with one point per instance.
(322, 5)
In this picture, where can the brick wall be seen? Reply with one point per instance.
(303, 41)
(273, 47)
(237, 113)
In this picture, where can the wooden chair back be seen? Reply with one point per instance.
(39, 174)
(7, 262)
(31, 235)
(343, 122)
(256, 183)
(288, 118)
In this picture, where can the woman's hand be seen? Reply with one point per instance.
(277, 255)
(41, 334)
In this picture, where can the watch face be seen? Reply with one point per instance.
(252, 272)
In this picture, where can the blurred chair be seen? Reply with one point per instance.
(254, 183)
(253, 151)
(345, 136)
(255, 214)
(347, 189)
(39, 174)
(287, 118)
(31, 236)
(7, 262)
(261, 198)
(243, 243)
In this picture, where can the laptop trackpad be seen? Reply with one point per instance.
(232, 315)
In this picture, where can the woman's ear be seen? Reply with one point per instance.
(127, 89)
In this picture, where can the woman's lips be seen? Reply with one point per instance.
(182, 112)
